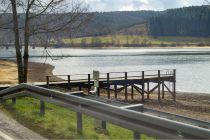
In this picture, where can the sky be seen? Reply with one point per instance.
(133, 5)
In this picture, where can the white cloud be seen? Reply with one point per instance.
(127, 5)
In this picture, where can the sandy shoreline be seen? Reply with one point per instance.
(195, 105)
(37, 72)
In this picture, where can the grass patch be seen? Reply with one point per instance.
(58, 122)
(124, 39)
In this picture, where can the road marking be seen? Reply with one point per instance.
(6, 137)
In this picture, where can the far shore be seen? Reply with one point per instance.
(146, 47)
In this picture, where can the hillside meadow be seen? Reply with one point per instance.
(145, 40)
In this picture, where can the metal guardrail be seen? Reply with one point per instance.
(136, 121)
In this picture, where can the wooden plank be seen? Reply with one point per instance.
(152, 90)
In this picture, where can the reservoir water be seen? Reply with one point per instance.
(192, 64)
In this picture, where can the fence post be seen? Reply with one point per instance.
(108, 86)
(148, 90)
(47, 81)
(89, 83)
(126, 88)
(136, 135)
(163, 92)
(79, 123)
(132, 92)
(142, 86)
(159, 85)
(115, 91)
(42, 108)
(174, 85)
(69, 82)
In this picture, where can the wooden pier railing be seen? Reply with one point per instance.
(119, 81)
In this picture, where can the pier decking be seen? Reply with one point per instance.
(144, 82)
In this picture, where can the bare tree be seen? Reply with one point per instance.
(34, 19)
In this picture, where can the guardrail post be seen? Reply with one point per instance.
(42, 108)
(159, 85)
(89, 86)
(126, 88)
(47, 81)
(108, 86)
(142, 86)
(136, 135)
(13, 101)
(69, 82)
(79, 123)
(174, 85)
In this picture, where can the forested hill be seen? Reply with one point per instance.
(104, 23)
(189, 21)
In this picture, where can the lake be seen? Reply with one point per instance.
(192, 64)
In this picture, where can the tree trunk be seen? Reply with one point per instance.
(17, 43)
(26, 44)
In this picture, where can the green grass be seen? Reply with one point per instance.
(60, 123)
(122, 39)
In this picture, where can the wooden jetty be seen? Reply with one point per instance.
(144, 82)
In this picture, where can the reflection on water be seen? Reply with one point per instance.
(193, 65)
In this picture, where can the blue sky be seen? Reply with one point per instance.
(127, 5)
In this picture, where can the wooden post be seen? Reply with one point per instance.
(163, 92)
(174, 85)
(80, 88)
(79, 123)
(89, 86)
(159, 85)
(136, 135)
(148, 90)
(69, 82)
(98, 94)
(108, 86)
(115, 91)
(47, 81)
(142, 86)
(42, 108)
(13, 101)
(132, 92)
(126, 88)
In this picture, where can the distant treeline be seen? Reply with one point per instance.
(188, 21)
